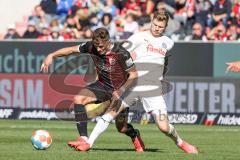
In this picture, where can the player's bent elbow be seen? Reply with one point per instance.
(74, 49)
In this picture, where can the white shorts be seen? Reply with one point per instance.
(151, 104)
(151, 97)
(154, 104)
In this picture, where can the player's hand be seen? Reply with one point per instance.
(233, 66)
(117, 93)
(46, 63)
(115, 103)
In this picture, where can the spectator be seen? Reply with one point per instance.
(218, 33)
(232, 34)
(49, 6)
(38, 17)
(54, 23)
(72, 22)
(236, 9)
(11, 33)
(120, 4)
(82, 18)
(70, 33)
(197, 33)
(81, 3)
(45, 34)
(31, 31)
(109, 7)
(130, 26)
(63, 6)
(220, 14)
(87, 33)
(163, 6)
(50, 9)
(56, 35)
(184, 13)
(108, 23)
(94, 21)
(198, 18)
(95, 7)
(147, 7)
(133, 7)
(78, 4)
(238, 27)
(203, 10)
(173, 25)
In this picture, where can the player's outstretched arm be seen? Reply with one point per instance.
(233, 66)
(61, 52)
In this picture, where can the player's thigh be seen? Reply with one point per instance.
(85, 96)
(94, 92)
(96, 109)
(101, 101)
(101, 93)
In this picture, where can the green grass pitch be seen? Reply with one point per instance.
(215, 143)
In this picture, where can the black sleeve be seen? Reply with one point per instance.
(127, 61)
(165, 70)
(85, 47)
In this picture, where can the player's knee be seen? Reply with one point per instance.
(121, 126)
(78, 99)
(122, 129)
(164, 129)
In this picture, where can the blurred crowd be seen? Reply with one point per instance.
(204, 20)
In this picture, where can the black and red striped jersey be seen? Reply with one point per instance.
(112, 67)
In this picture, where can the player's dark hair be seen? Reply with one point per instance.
(99, 35)
(161, 16)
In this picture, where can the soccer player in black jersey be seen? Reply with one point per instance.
(116, 73)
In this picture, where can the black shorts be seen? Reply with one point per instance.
(102, 93)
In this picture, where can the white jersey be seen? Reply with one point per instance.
(149, 49)
(146, 49)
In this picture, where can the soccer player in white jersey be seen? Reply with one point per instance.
(149, 47)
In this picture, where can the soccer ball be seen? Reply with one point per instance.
(41, 139)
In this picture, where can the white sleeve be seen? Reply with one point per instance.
(169, 43)
(133, 42)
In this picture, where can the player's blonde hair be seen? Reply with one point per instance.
(161, 16)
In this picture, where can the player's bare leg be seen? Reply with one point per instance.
(169, 130)
(124, 127)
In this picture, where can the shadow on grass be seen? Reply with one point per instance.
(125, 150)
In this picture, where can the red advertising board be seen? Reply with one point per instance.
(39, 90)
